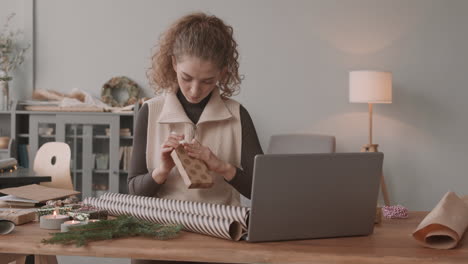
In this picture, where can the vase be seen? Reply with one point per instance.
(4, 96)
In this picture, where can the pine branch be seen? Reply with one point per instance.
(123, 226)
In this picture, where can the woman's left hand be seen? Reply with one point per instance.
(198, 151)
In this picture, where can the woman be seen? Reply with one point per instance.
(195, 69)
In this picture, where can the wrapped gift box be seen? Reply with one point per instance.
(17, 215)
(193, 171)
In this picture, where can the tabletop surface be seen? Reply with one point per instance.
(22, 175)
(391, 243)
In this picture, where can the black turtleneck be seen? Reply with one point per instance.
(193, 111)
(140, 181)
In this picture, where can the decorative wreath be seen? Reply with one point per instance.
(119, 83)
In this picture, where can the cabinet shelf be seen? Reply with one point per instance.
(85, 134)
(100, 171)
(95, 170)
(105, 137)
(107, 171)
(71, 113)
(100, 137)
(47, 136)
(42, 136)
(77, 136)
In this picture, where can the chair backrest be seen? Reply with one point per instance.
(301, 144)
(53, 159)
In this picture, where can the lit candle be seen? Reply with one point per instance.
(66, 225)
(52, 221)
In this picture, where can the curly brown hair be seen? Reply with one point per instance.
(198, 35)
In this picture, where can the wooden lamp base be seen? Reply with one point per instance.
(383, 186)
(370, 148)
(373, 148)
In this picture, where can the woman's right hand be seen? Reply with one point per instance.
(166, 162)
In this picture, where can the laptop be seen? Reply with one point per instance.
(305, 196)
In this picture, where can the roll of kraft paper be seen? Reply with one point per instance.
(217, 227)
(6, 226)
(233, 213)
(444, 226)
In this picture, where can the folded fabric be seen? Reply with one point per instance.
(444, 226)
(228, 222)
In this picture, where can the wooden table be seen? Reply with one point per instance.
(390, 243)
(21, 177)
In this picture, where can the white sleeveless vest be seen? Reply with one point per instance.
(219, 128)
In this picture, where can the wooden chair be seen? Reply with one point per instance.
(297, 144)
(301, 144)
(53, 159)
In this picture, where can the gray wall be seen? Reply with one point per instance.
(295, 56)
(22, 84)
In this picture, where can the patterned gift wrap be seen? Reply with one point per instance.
(233, 213)
(207, 225)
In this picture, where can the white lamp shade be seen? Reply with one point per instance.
(370, 87)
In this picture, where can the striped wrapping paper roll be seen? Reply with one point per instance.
(207, 225)
(233, 213)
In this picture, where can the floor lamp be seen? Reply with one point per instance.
(371, 87)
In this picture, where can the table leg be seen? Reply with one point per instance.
(12, 258)
(383, 186)
(45, 259)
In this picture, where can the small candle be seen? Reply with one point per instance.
(52, 221)
(66, 225)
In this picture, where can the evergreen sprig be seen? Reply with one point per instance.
(122, 226)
